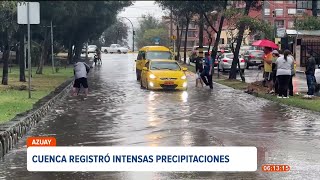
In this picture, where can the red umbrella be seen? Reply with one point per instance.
(265, 43)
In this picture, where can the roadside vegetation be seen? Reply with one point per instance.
(14, 97)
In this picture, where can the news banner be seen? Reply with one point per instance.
(43, 154)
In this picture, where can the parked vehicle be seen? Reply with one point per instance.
(253, 58)
(115, 48)
(317, 75)
(226, 62)
(91, 49)
(219, 53)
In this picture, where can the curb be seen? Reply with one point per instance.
(12, 131)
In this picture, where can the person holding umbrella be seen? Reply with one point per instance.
(268, 46)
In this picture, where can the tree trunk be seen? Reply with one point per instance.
(44, 52)
(21, 55)
(78, 49)
(314, 8)
(185, 41)
(178, 44)
(5, 59)
(70, 52)
(180, 39)
(235, 62)
(216, 43)
(201, 28)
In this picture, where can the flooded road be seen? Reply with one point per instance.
(118, 113)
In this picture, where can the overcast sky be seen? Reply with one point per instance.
(135, 12)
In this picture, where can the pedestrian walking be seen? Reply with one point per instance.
(80, 70)
(310, 70)
(199, 70)
(206, 74)
(293, 73)
(275, 55)
(284, 67)
(268, 69)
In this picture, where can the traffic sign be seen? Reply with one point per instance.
(34, 13)
(173, 37)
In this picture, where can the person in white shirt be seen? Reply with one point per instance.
(284, 70)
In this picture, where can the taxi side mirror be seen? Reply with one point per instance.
(184, 69)
(145, 69)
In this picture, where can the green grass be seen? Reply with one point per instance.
(296, 101)
(13, 101)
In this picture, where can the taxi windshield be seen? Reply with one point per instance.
(158, 55)
(164, 65)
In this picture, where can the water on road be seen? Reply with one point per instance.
(119, 113)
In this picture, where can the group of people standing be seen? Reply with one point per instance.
(279, 70)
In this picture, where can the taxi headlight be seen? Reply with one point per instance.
(152, 76)
(184, 84)
(183, 77)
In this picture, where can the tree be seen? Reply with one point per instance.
(150, 24)
(243, 25)
(307, 23)
(115, 34)
(7, 27)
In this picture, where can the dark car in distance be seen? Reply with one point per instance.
(253, 58)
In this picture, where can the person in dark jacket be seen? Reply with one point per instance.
(310, 70)
(199, 69)
(206, 74)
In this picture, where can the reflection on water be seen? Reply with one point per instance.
(184, 96)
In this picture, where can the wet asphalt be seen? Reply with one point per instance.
(119, 113)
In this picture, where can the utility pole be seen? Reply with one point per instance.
(171, 26)
(263, 17)
(29, 47)
(52, 60)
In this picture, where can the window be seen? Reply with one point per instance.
(279, 12)
(191, 34)
(292, 2)
(192, 26)
(158, 65)
(158, 55)
(222, 41)
(290, 24)
(292, 11)
(267, 12)
(229, 40)
(279, 23)
(300, 11)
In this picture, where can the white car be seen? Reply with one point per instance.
(317, 75)
(91, 49)
(115, 48)
(225, 62)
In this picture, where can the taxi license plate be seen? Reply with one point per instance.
(168, 83)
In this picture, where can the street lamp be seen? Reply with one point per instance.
(133, 33)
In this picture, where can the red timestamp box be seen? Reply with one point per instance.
(275, 168)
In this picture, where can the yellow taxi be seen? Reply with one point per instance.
(148, 53)
(160, 74)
